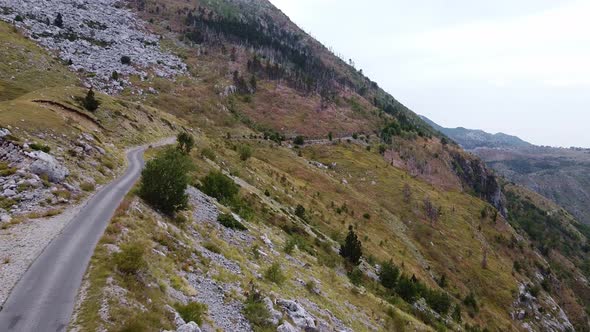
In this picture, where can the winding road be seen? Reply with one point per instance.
(44, 298)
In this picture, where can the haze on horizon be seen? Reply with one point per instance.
(520, 68)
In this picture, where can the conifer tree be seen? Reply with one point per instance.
(352, 247)
(59, 21)
(90, 102)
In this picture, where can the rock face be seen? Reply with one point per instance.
(46, 164)
(527, 308)
(475, 175)
(95, 35)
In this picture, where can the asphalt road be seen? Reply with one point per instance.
(44, 298)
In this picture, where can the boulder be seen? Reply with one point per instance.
(286, 327)
(4, 132)
(298, 314)
(9, 193)
(46, 164)
(189, 327)
(275, 315)
(4, 218)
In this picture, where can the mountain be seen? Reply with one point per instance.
(560, 174)
(299, 166)
(473, 138)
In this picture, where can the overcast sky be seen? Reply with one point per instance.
(520, 67)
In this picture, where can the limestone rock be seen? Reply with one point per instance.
(286, 327)
(189, 327)
(46, 164)
(275, 315)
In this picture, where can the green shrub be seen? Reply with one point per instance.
(257, 314)
(192, 312)
(130, 260)
(300, 211)
(229, 221)
(218, 185)
(164, 181)
(471, 302)
(356, 276)
(299, 140)
(208, 153)
(40, 147)
(87, 186)
(5, 170)
(245, 152)
(389, 275)
(186, 142)
(275, 273)
(212, 247)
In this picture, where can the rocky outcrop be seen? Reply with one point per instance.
(476, 176)
(540, 312)
(94, 37)
(300, 317)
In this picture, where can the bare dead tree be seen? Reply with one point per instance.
(431, 210)
(407, 192)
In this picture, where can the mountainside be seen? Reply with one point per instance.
(560, 174)
(298, 160)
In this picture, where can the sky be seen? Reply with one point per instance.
(518, 67)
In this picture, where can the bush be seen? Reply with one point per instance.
(256, 312)
(300, 211)
(130, 260)
(87, 186)
(388, 275)
(218, 185)
(275, 273)
(245, 152)
(406, 289)
(471, 302)
(191, 312)
(352, 247)
(229, 221)
(185, 142)
(164, 181)
(125, 60)
(356, 276)
(212, 247)
(208, 153)
(40, 147)
(299, 140)
(89, 102)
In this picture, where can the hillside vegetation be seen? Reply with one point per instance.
(298, 158)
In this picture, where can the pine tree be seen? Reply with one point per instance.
(59, 21)
(352, 247)
(90, 102)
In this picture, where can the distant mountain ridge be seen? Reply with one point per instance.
(560, 174)
(475, 138)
